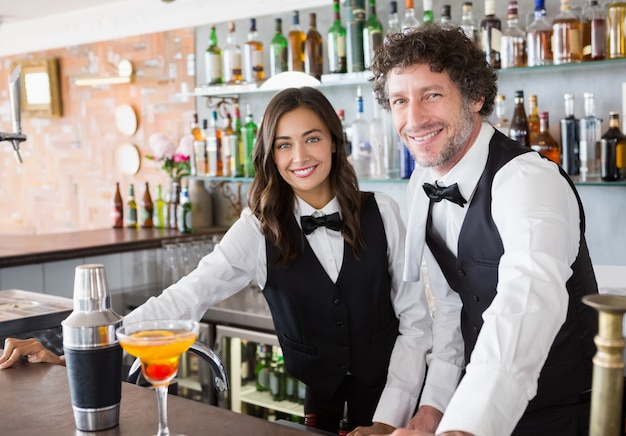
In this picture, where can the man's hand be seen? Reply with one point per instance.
(378, 428)
(32, 349)
(426, 419)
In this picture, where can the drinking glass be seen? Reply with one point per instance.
(159, 344)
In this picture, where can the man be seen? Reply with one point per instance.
(506, 254)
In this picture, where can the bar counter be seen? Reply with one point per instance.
(35, 400)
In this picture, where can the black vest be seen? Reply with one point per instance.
(328, 329)
(474, 275)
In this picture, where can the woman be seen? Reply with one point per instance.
(348, 326)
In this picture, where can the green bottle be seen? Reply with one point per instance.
(355, 22)
(213, 60)
(183, 214)
(131, 209)
(372, 34)
(428, 12)
(160, 207)
(337, 43)
(278, 50)
(248, 134)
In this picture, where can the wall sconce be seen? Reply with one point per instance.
(124, 75)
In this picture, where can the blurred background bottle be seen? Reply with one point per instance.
(513, 43)
(336, 42)
(379, 143)
(183, 219)
(519, 129)
(501, 120)
(117, 210)
(410, 20)
(237, 161)
(393, 22)
(372, 34)
(543, 142)
(313, 50)
(131, 208)
(199, 149)
(147, 209)
(295, 44)
(566, 36)
(534, 124)
(213, 147)
(231, 57)
(491, 34)
(361, 146)
(213, 60)
(427, 12)
(278, 50)
(160, 210)
(570, 156)
(539, 38)
(253, 68)
(594, 34)
(613, 150)
(590, 133)
(248, 135)
(468, 23)
(446, 15)
(355, 22)
(616, 14)
(172, 204)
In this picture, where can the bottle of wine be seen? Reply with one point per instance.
(539, 38)
(393, 22)
(117, 210)
(372, 34)
(544, 143)
(160, 212)
(361, 145)
(253, 70)
(238, 152)
(131, 208)
(427, 15)
(491, 34)
(337, 42)
(200, 167)
(593, 32)
(212, 147)
(613, 151)
(513, 42)
(347, 131)
(147, 209)
(231, 57)
(533, 117)
(278, 50)
(501, 121)
(248, 134)
(468, 23)
(378, 142)
(295, 44)
(590, 132)
(228, 141)
(184, 212)
(313, 50)
(570, 156)
(172, 206)
(213, 60)
(446, 14)
(410, 20)
(616, 30)
(355, 22)
(519, 129)
(566, 36)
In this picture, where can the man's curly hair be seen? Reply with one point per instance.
(443, 48)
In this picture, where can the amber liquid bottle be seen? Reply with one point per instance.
(534, 124)
(231, 57)
(147, 209)
(593, 32)
(253, 71)
(519, 129)
(570, 146)
(566, 36)
(544, 143)
(613, 151)
(490, 34)
(616, 31)
(117, 212)
(295, 44)
(539, 38)
(313, 50)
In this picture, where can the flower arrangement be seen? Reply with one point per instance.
(175, 160)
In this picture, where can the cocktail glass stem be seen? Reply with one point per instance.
(161, 392)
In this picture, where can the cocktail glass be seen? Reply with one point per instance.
(158, 344)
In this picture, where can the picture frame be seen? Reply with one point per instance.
(40, 88)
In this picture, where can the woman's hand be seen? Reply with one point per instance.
(378, 428)
(32, 349)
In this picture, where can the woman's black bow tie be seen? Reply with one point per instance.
(450, 193)
(310, 223)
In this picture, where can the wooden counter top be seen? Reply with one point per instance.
(28, 249)
(35, 400)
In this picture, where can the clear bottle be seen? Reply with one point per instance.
(446, 14)
(117, 210)
(253, 69)
(278, 50)
(372, 34)
(160, 213)
(519, 129)
(501, 121)
(616, 30)
(566, 36)
(361, 146)
(183, 212)
(131, 209)
(213, 60)
(231, 57)
(393, 22)
(200, 167)
(172, 206)
(336, 42)
(539, 38)
(491, 34)
(534, 124)
(313, 50)
(147, 209)
(468, 23)
(410, 20)
(248, 135)
(295, 44)
(593, 32)
(570, 156)
(355, 22)
(544, 143)
(590, 133)
(427, 15)
(613, 151)
(379, 143)
(228, 145)
(513, 43)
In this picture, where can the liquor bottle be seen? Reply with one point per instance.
(378, 142)
(200, 167)
(407, 164)
(262, 369)
(570, 156)
(248, 134)
(231, 57)
(253, 70)
(295, 44)
(501, 121)
(544, 143)
(392, 148)
(361, 146)
(490, 34)
(410, 20)
(518, 129)
(237, 152)
(344, 423)
(593, 32)
(393, 22)
(539, 38)
(131, 208)
(347, 132)
(566, 37)
(446, 14)
(194, 130)
(228, 140)
(313, 50)
(616, 31)
(278, 50)
(147, 209)
(355, 22)
(160, 213)
(533, 117)
(336, 43)
(213, 147)
(117, 211)
(184, 212)
(590, 133)
(213, 60)
(427, 15)
(468, 23)
(278, 379)
(172, 206)
(372, 34)
(613, 150)
(513, 42)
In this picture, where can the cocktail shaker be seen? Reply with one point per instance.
(92, 353)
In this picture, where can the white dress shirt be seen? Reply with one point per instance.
(538, 219)
(240, 257)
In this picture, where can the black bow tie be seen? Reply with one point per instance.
(450, 193)
(310, 223)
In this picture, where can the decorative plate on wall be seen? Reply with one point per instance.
(127, 158)
(126, 119)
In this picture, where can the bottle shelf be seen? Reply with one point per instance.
(250, 395)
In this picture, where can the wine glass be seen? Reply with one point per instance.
(159, 344)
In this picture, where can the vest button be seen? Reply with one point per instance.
(476, 297)
(340, 324)
(344, 346)
(337, 301)
(461, 273)
(475, 329)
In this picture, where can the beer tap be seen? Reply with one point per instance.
(15, 96)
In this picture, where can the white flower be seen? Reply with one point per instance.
(162, 146)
